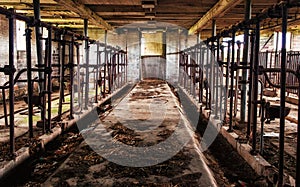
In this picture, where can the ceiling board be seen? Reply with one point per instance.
(184, 13)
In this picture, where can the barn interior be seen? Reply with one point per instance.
(149, 93)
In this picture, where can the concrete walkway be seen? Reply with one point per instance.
(145, 140)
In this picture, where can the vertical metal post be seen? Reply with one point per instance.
(29, 80)
(248, 10)
(255, 85)
(112, 70)
(122, 63)
(232, 82)
(140, 55)
(186, 57)
(62, 74)
(282, 94)
(11, 84)
(122, 67)
(105, 62)
(87, 51)
(44, 92)
(227, 80)
(164, 51)
(198, 37)
(97, 70)
(195, 68)
(249, 120)
(126, 58)
(207, 62)
(201, 64)
(262, 122)
(71, 66)
(298, 136)
(79, 84)
(49, 75)
(109, 64)
(37, 17)
(212, 65)
(217, 86)
(5, 108)
(238, 59)
(189, 72)
(119, 56)
(222, 93)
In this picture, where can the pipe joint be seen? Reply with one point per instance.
(8, 70)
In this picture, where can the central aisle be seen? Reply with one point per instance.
(144, 141)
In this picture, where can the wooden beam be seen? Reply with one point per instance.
(133, 13)
(64, 20)
(218, 10)
(78, 7)
(26, 1)
(112, 2)
(158, 8)
(76, 26)
(47, 14)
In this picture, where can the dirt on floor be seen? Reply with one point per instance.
(228, 167)
(271, 149)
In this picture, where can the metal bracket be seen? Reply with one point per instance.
(8, 70)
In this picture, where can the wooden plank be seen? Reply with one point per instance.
(77, 26)
(159, 8)
(122, 13)
(112, 2)
(26, 1)
(187, 3)
(78, 7)
(63, 20)
(45, 14)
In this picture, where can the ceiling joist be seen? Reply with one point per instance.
(85, 12)
(218, 10)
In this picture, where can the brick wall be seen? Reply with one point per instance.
(3, 40)
(295, 45)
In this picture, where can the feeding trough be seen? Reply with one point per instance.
(273, 111)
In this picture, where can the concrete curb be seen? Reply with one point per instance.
(24, 153)
(257, 162)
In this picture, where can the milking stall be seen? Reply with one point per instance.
(149, 93)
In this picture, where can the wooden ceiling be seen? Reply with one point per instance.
(193, 15)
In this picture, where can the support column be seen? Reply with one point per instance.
(49, 89)
(71, 66)
(212, 70)
(140, 54)
(227, 81)
(248, 10)
(249, 112)
(255, 85)
(164, 46)
(86, 64)
(29, 81)
(282, 94)
(38, 35)
(62, 60)
(232, 82)
(298, 137)
(98, 69)
(105, 63)
(11, 84)
(217, 86)
(126, 57)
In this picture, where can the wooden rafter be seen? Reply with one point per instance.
(78, 7)
(218, 10)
